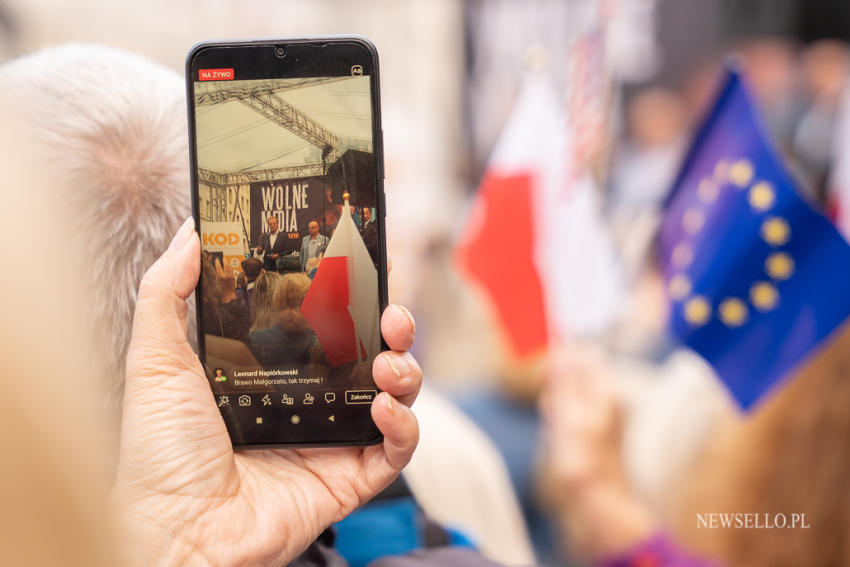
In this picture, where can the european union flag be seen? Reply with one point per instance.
(756, 277)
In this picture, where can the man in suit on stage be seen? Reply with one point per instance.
(369, 232)
(274, 244)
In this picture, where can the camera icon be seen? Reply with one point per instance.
(356, 70)
(244, 401)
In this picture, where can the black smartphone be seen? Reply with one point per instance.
(287, 189)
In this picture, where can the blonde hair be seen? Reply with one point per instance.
(263, 314)
(288, 297)
(788, 457)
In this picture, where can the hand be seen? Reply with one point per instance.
(274, 256)
(582, 421)
(184, 495)
(584, 470)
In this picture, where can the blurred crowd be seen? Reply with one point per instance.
(617, 443)
(260, 310)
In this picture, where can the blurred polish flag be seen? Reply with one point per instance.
(342, 302)
(839, 179)
(535, 242)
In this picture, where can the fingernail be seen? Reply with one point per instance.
(390, 404)
(183, 235)
(397, 364)
(408, 315)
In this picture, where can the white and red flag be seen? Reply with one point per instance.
(535, 242)
(342, 303)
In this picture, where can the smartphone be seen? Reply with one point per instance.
(287, 190)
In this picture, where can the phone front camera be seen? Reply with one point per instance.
(280, 51)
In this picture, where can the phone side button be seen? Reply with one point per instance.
(383, 171)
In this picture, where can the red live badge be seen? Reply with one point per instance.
(215, 75)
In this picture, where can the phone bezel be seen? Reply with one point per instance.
(225, 52)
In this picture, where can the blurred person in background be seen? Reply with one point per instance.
(54, 475)
(242, 293)
(787, 458)
(312, 266)
(647, 158)
(229, 303)
(290, 338)
(825, 72)
(262, 310)
(773, 72)
(222, 314)
(252, 268)
(121, 192)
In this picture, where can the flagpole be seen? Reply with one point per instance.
(346, 210)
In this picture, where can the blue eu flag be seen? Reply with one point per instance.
(756, 277)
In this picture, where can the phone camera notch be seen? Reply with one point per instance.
(280, 52)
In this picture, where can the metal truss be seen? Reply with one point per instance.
(215, 179)
(210, 93)
(263, 100)
(218, 203)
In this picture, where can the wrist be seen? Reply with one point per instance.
(604, 518)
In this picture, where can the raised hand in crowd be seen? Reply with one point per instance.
(598, 513)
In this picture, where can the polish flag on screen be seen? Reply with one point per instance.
(342, 303)
(535, 242)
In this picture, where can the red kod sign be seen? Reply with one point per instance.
(215, 75)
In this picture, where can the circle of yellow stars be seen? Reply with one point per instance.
(774, 230)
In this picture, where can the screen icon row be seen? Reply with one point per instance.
(352, 397)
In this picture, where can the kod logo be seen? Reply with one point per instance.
(221, 239)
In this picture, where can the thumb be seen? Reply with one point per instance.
(159, 323)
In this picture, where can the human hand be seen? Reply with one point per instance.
(184, 495)
(584, 474)
(581, 420)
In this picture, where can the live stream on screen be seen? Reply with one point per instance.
(289, 272)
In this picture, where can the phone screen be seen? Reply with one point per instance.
(289, 203)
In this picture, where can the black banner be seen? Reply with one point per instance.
(295, 202)
(354, 172)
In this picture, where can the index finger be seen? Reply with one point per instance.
(398, 328)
